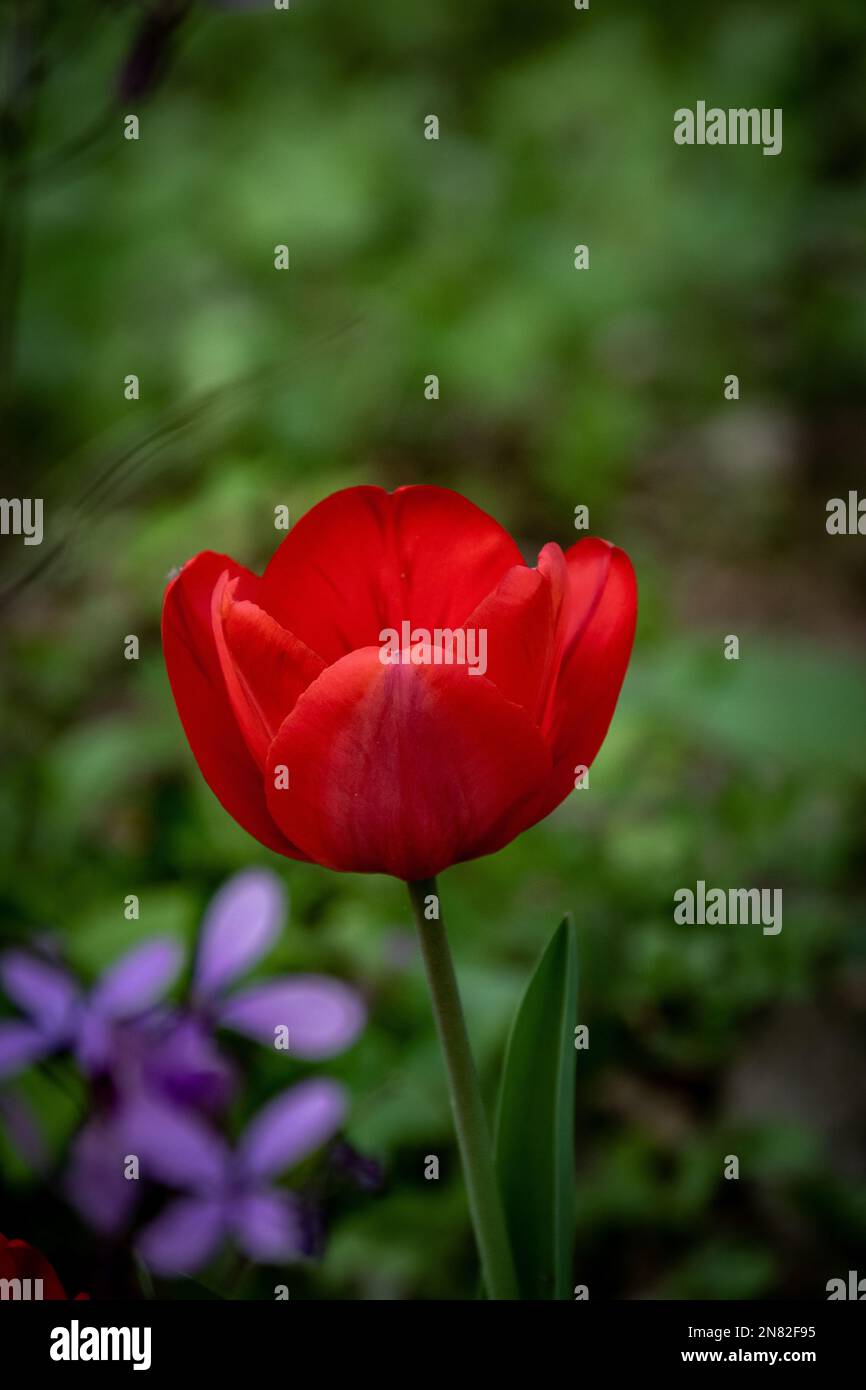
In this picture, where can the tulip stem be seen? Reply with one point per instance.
(473, 1135)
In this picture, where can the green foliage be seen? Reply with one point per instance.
(535, 1122)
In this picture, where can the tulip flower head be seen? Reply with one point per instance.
(326, 748)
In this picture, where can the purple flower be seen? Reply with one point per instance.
(156, 1073)
(157, 1064)
(322, 1016)
(230, 1193)
(120, 1039)
(60, 1016)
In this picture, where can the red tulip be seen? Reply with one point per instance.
(22, 1263)
(398, 768)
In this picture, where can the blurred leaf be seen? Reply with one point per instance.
(535, 1123)
(764, 709)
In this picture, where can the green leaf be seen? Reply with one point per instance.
(535, 1123)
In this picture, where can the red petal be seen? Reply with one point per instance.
(597, 625)
(518, 618)
(400, 769)
(596, 630)
(365, 559)
(202, 700)
(265, 667)
(25, 1262)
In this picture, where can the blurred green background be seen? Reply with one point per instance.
(558, 388)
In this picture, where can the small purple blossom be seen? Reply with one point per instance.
(158, 1079)
(230, 1193)
(60, 1016)
(323, 1016)
(161, 1064)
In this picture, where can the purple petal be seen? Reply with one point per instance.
(322, 1016)
(93, 1047)
(46, 993)
(20, 1044)
(290, 1127)
(184, 1236)
(137, 980)
(95, 1182)
(240, 924)
(176, 1148)
(268, 1227)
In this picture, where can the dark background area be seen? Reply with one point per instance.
(558, 388)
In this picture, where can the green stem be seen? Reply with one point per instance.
(473, 1136)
